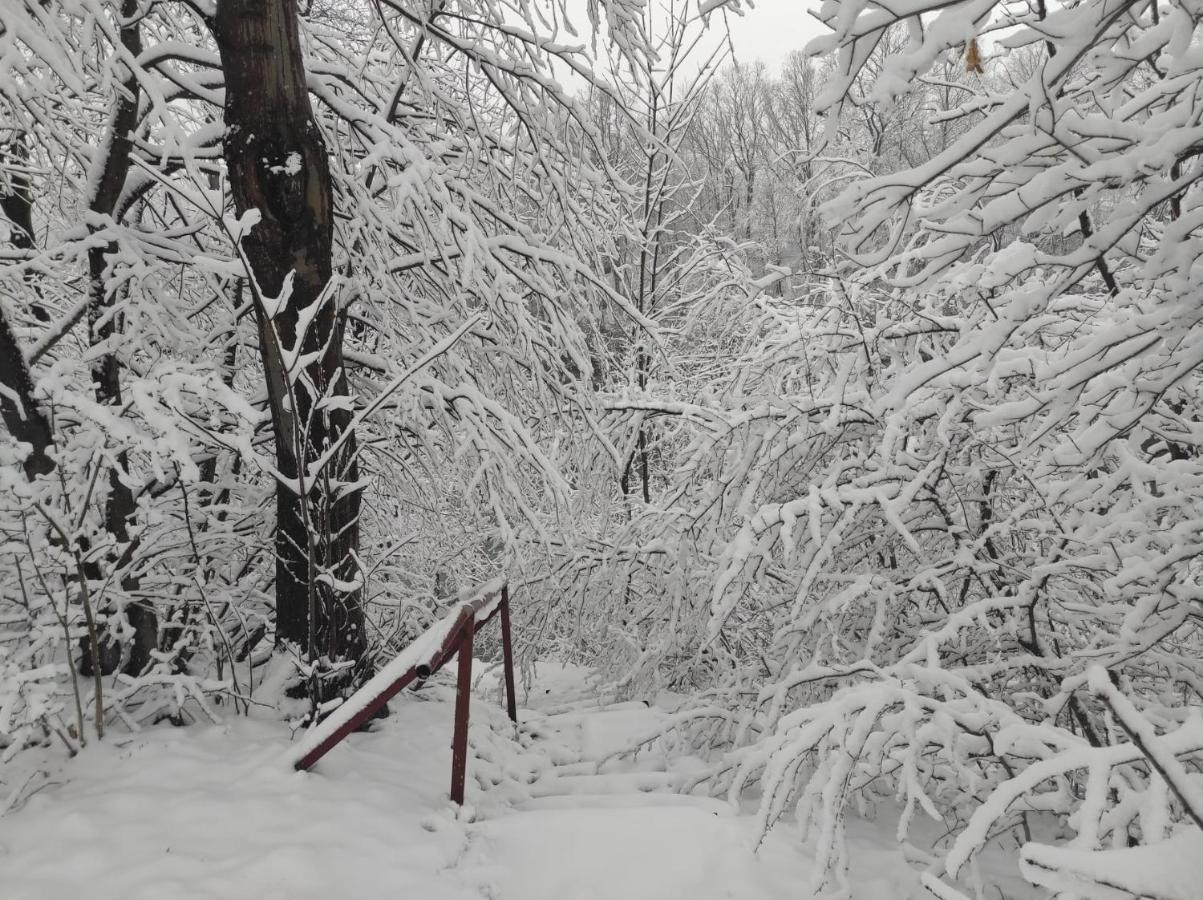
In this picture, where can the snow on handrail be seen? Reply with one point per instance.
(425, 656)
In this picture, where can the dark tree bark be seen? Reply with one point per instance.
(278, 165)
(17, 207)
(22, 416)
(104, 324)
(24, 420)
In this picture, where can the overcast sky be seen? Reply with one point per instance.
(772, 29)
(766, 32)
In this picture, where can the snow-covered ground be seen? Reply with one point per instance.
(211, 812)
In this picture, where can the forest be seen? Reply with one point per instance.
(854, 403)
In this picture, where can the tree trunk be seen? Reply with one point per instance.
(278, 166)
(104, 325)
(749, 196)
(24, 420)
(17, 207)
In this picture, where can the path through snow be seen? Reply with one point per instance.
(212, 813)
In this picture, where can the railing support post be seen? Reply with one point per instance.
(401, 672)
(507, 650)
(463, 697)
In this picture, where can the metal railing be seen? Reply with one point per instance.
(454, 634)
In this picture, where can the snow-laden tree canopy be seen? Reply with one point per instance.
(859, 403)
(932, 533)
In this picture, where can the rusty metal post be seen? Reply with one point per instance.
(507, 650)
(463, 696)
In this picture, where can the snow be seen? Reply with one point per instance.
(208, 812)
(292, 165)
(1168, 870)
(652, 852)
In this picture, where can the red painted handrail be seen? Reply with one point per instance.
(421, 659)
